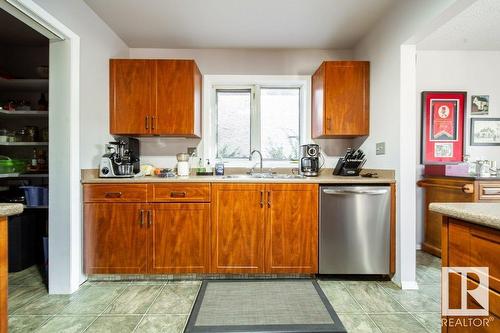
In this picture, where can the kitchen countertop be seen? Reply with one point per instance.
(486, 214)
(91, 176)
(8, 209)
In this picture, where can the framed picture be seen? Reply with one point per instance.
(480, 105)
(485, 131)
(443, 116)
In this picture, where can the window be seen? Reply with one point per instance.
(258, 117)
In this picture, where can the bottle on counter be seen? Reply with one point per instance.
(219, 167)
(208, 167)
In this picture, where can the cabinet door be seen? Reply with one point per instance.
(292, 228)
(340, 105)
(237, 228)
(440, 190)
(178, 91)
(115, 238)
(179, 236)
(131, 96)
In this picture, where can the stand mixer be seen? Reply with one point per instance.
(120, 159)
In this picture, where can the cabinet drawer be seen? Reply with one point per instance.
(181, 192)
(489, 191)
(115, 192)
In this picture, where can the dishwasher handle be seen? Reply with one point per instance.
(346, 192)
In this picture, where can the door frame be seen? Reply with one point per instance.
(65, 209)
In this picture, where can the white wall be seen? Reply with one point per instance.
(98, 44)
(382, 47)
(161, 151)
(475, 72)
(78, 133)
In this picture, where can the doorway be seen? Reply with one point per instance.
(64, 208)
(24, 143)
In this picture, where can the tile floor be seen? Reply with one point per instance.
(363, 306)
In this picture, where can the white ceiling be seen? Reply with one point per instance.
(476, 28)
(335, 24)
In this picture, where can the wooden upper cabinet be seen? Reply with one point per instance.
(178, 104)
(179, 238)
(340, 99)
(155, 97)
(292, 228)
(131, 96)
(237, 228)
(115, 238)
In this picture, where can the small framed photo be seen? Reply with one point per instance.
(443, 118)
(485, 131)
(480, 105)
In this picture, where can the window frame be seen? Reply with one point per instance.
(212, 83)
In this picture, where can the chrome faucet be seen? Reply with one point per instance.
(260, 154)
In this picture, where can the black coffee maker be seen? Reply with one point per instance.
(309, 160)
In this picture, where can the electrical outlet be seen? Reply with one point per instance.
(380, 148)
(191, 150)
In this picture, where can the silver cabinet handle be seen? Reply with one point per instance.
(344, 192)
(491, 190)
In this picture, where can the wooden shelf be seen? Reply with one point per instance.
(9, 175)
(17, 113)
(36, 207)
(24, 143)
(24, 175)
(41, 85)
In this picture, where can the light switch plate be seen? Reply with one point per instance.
(380, 148)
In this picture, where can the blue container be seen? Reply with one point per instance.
(35, 195)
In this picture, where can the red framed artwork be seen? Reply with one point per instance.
(443, 116)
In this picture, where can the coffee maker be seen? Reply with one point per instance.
(121, 159)
(309, 160)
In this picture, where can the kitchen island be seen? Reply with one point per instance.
(471, 238)
(6, 209)
(210, 224)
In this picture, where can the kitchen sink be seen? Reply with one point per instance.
(266, 175)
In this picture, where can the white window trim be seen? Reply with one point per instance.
(207, 147)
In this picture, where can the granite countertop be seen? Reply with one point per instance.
(8, 209)
(486, 214)
(90, 176)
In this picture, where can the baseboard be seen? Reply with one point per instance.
(418, 246)
(409, 285)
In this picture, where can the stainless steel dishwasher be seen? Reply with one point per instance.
(354, 229)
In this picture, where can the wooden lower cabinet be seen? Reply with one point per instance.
(291, 229)
(451, 189)
(4, 274)
(264, 228)
(179, 238)
(115, 238)
(238, 226)
(470, 245)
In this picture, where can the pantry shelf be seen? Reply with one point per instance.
(24, 143)
(6, 113)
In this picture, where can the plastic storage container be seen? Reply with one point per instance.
(8, 165)
(36, 195)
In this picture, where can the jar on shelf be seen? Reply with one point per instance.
(20, 135)
(3, 135)
(31, 133)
